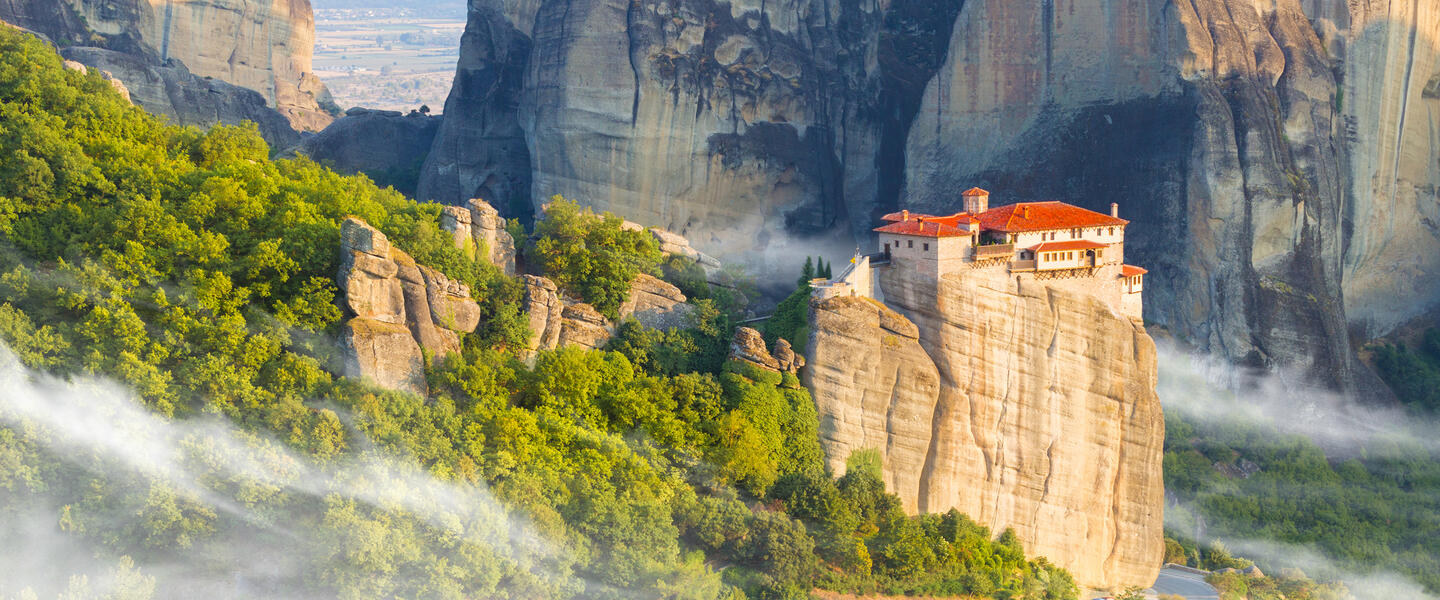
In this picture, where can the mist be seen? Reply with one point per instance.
(96, 429)
(1210, 392)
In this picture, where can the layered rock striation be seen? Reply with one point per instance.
(736, 123)
(1024, 405)
(1279, 159)
(401, 311)
(172, 91)
(262, 46)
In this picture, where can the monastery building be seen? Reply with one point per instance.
(1045, 241)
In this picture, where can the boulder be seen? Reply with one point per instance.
(656, 304)
(451, 305)
(585, 327)
(748, 346)
(384, 354)
(785, 356)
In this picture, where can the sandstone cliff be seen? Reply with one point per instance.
(1024, 406)
(387, 146)
(1213, 123)
(1278, 159)
(175, 93)
(737, 123)
(263, 46)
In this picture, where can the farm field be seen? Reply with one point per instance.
(389, 58)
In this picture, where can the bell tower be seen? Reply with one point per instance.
(976, 200)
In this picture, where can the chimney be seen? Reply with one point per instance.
(905, 215)
(1024, 212)
(1115, 209)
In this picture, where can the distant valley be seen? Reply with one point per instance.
(390, 58)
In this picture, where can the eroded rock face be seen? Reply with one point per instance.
(736, 123)
(1278, 206)
(403, 312)
(1026, 407)
(557, 321)
(1211, 123)
(263, 46)
(388, 146)
(172, 91)
(748, 346)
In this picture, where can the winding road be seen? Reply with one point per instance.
(1184, 583)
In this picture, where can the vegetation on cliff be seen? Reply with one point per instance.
(200, 274)
(1374, 511)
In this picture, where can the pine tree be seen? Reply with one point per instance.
(807, 272)
(824, 268)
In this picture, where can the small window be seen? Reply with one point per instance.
(909, 243)
(927, 246)
(1112, 231)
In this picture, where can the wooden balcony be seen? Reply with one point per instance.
(994, 251)
(1022, 266)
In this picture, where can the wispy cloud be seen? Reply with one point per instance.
(1209, 390)
(98, 426)
(1212, 392)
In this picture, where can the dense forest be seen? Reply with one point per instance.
(199, 275)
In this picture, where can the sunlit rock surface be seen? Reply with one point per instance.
(401, 311)
(262, 45)
(1024, 406)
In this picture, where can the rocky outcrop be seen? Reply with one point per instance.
(544, 308)
(656, 304)
(172, 91)
(479, 230)
(386, 145)
(106, 75)
(401, 311)
(263, 46)
(748, 347)
(556, 321)
(1024, 406)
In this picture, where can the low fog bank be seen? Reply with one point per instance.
(132, 473)
(1259, 406)
(1206, 389)
(1378, 585)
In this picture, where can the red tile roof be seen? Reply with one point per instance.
(1040, 216)
(1067, 245)
(908, 223)
(1131, 271)
(975, 191)
(928, 228)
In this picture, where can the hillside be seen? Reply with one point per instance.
(172, 305)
